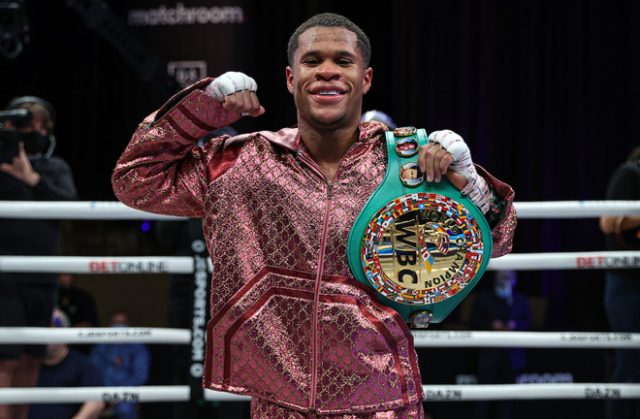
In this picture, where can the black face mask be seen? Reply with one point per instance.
(35, 143)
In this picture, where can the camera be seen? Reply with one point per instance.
(9, 148)
(11, 137)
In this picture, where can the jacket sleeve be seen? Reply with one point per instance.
(162, 170)
(504, 226)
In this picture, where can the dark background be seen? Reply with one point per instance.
(545, 93)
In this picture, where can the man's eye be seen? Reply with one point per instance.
(344, 61)
(311, 61)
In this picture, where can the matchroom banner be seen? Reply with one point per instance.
(194, 38)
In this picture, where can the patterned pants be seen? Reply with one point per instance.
(262, 409)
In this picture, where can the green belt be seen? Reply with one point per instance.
(421, 245)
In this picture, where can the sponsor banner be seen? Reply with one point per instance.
(608, 262)
(116, 266)
(122, 396)
(195, 38)
(438, 395)
(117, 332)
(603, 393)
(179, 14)
(598, 337)
(545, 377)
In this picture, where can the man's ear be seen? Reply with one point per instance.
(368, 78)
(289, 74)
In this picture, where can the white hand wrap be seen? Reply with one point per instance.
(230, 83)
(477, 188)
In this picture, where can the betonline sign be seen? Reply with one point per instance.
(181, 15)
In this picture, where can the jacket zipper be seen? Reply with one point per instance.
(316, 290)
(316, 301)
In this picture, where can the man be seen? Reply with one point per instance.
(65, 367)
(622, 287)
(289, 324)
(501, 308)
(122, 364)
(28, 299)
(78, 304)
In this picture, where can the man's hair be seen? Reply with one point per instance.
(331, 20)
(39, 107)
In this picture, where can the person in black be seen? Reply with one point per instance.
(78, 304)
(27, 299)
(622, 287)
(65, 367)
(500, 308)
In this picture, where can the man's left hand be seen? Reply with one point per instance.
(447, 154)
(21, 168)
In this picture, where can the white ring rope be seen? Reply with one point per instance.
(486, 339)
(184, 264)
(531, 391)
(422, 339)
(113, 210)
(432, 393)
(81, 394)
(91, 264)
(79, 210)
(43, 335)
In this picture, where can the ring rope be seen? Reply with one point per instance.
(184, 264)
(422, 339)
(432, 393)
(486, 339)
(44, 335)
(114, 210)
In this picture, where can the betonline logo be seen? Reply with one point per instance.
(181, 15)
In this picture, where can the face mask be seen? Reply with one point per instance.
(34, 142)
(503, 292)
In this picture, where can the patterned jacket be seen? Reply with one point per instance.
(288, 323)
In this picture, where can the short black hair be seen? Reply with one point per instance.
(331, 20)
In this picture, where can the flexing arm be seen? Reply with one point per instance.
(162, 170)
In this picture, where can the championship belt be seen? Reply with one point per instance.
(422, 246)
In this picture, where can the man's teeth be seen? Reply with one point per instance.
(329, 93)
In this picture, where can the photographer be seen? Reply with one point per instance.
(28, 172)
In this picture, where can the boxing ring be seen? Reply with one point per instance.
(423, 339)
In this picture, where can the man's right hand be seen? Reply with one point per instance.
(237, 93)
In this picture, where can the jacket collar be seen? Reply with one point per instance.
(290, 139)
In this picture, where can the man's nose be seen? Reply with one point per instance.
(327, 71)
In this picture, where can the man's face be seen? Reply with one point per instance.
(327, 78)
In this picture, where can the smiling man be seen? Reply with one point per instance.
(290, 326)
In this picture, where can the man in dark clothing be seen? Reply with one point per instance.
(500, 308)
(64, 367)
(28, 299)
(622, 289)
(77, 303)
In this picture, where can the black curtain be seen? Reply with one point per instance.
(545, 92)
